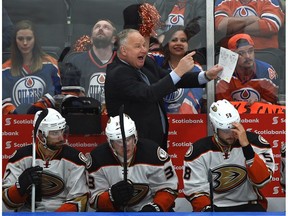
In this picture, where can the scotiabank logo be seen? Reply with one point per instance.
(8, 145)
(7, 121)
(275, 143)
(275, 120)
(276, 190)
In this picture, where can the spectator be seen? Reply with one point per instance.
(7, 30)
(154, 44)
(260, 19)
(224, 172)
(59, 172)
(175, 47)
(253, 80)
(181, 12)
(29, 73)
(70, 87)
(152, 184)
(92, 63)
(140, 84)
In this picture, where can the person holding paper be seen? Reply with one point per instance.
(59, 173)
(253, 80)
(135, 80)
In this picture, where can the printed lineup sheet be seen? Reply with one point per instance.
(228, 60)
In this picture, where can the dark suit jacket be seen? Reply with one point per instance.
(124, 85)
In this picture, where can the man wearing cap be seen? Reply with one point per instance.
(253, 80)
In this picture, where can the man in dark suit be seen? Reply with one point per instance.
(135, 80)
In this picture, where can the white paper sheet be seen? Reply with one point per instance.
(228, 60)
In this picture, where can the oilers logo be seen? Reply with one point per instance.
(175, 19)
(174, 96)
(246, 94)
(96, 86)
(244, 11)
(28, 90)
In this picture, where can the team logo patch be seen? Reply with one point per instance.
(174, 96)
(214, 108)
(140, 192)
(189, 151)
(245, 94)
(96, 86)
(89, 160)
(82, 157)
(52, 185)
(175, 19)
(28, 90)
(244, 11)
(263, 140)
(162, 154)
(228, 177)
(272, 73)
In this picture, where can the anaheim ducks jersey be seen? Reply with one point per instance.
(30, 87)
(235, 177)
(64, 186)
(93, 73)
(283, 166)
(269, 12)
(151, 171)
(263, 86)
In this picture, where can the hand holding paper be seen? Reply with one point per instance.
(228, 60)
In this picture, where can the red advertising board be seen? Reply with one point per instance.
(184, 130)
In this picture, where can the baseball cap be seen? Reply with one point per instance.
(239, 40)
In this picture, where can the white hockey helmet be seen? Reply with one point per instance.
(223, 114)
(113, 130)
(50, 120)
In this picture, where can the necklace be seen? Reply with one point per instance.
(171, 65)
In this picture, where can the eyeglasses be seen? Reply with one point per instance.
(250, 51)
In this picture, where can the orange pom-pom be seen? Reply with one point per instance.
(150, 19)
(84, 43)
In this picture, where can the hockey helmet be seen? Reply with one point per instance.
(223, 114)
(113, 130)
(48, 120)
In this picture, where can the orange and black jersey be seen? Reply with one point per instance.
(237, 172)
(151, 171)
(64, 186)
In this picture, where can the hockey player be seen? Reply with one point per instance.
(59, 173)
(152, 181)
(240, 163)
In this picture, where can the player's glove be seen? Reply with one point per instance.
(121, 192)
(30, 176)
(150, 207)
